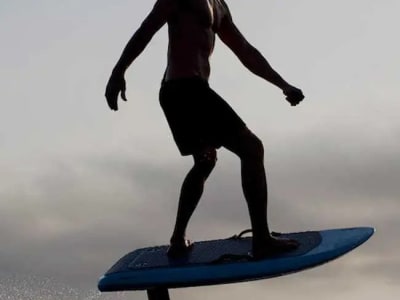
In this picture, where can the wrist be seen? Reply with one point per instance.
(118, 70)
(285, 86)
(280, 82)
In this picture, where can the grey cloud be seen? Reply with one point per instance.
(91, 211)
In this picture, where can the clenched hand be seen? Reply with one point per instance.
(293, 95)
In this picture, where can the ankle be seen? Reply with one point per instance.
(177, 239)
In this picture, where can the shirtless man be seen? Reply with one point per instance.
(200, 120)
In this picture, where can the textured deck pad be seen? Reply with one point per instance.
(205, 252)
(148, 268)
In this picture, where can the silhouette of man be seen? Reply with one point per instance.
(200, 120)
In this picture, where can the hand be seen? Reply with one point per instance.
(116, 84)
(293, 95)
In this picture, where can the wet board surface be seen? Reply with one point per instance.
(226, 261)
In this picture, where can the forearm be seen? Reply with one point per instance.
(255, 62)
(132, 50)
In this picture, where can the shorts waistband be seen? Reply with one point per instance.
(185, 81)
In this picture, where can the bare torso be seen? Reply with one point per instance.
(192, 27)
(191, 31)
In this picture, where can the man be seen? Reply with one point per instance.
(200, 120)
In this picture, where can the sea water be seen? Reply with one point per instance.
(29, 287)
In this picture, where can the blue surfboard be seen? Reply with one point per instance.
(227, 261)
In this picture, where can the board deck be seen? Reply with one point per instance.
(226, 261)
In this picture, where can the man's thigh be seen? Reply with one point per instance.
(244, 143)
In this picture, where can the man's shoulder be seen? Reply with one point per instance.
(224, 8)
(223, 3)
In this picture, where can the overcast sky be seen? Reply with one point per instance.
(82, 185)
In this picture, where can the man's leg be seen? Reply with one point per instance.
(250, 150)
(192, 189)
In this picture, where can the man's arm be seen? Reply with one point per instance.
(138, 42)
(253, 60)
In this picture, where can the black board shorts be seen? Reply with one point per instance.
(198, 116)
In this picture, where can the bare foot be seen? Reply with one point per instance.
(273, 246)
(179, 249)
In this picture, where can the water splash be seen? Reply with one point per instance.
(32, 287)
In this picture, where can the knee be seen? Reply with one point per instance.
(205, 161)
(253, 148)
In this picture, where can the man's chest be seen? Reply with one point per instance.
(207, 12)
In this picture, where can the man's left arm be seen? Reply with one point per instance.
(253, 60)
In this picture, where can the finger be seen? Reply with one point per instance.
(123, 90)
(123, 95)
(113, 105)
(112, 101)
(293, 102)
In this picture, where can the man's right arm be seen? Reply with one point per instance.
(153, 22)
(138, 42)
